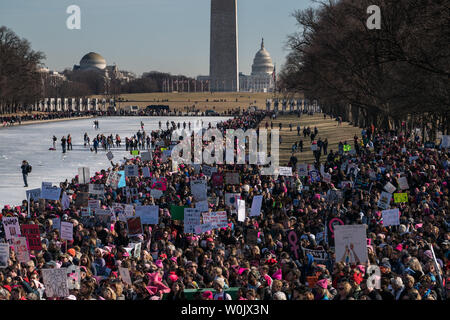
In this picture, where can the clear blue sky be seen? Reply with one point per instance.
(144, 35)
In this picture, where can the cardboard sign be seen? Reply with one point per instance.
(385, 200)
(66, 230)
(285, 171)
(97, 189)
(134, 226)
(389, 187)
(146, 156)
(11, 228)
(51, 193)
(21, 250)
(256, 206)
(148, 214)
(400, 197)
(125, 275)
(33, 236)
(4, 255)
(131, 171)
(55, 282)
(191, 219)
(217, 179)
(83, 175)
(232, 178)
(110, 155)
(403, 183)
(199, 190)
(391, 217)
(351, 243)
(34, 194)
(241, 210)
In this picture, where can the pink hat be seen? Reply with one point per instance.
(278, 275)
(399, 247)
(159, 263)
(207, 294)
(322, 283)
(174, 259)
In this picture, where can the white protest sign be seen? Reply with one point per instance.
(125, 275)
(34, 194)
(230, 199)
(110, 155)
(208, 171)
(202, 228)
(93, 204)
(445, 142)
(202, 206)
(66, 230)
(403, 183)
(113, 179)
(56, 223)
(131, 171)
(146, 156)
(391, 217)
(191, 219)
(256, 206)
(302, 170)
(83, 175)
(11, 227)
(217, 219)
(55, 282)
(389, 187)
(50, 193)
(148, 214)
(155, 193)
(21, 249)
(137, 250)
(351, 243)
(198, 190)
(4, 255)
(326, 177)
(146, 172)
(65, 201)
(285, 171)
(241, 210)
(97, 189)
(385, 200)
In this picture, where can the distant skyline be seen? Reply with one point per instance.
(148, 35)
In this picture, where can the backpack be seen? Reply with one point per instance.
(29, 168)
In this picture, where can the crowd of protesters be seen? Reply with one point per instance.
(262, 269)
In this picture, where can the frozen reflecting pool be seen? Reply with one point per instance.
(32, 143)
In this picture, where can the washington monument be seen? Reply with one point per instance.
(223, 67)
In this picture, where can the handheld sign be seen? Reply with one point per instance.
(83, 175)
(400, 197)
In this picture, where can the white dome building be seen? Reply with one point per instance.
(92, 60)
(262, 77)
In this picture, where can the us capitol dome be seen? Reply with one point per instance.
(262, 78)
(92, 60)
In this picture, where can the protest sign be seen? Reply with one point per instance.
(385, 200)
(391, 217)
(400, 197)
(204, 227)
(430, 145)
(55, 282)
(314, 175)
(97, 189)
(93, 204)
(34, 194)
(318, 255)
(146, 156)
(177, 212)
(66, 230)
(148, 214)
(83, 175)
(131, 171)
(445, 142)
(4, 255)
(334, 196)
(122, 181)
(413, 158)
(347, 147)
(314, 147)
(73, 277)
(217, 179)
(403, 183)
(137, 250)
(346, 184)
(302, 170)
(202, 206)
(285, 171)
(217, 219)
(50, 193)
(85, 212)
(198, 190)
(82, 199)
(65, 201)
(32, 234)
(125, 275)
(21, 250)
(351, 243)
(110, 155)
(134, 226)
(232, 178)
(11, 228)
(155, 193)
(241, 210)
(146, 172)
(389, 187)
(160, 184)
(326, 177)
(208, 171)
(191, 219)
(256, 206)
(230, 199)
(56, 225)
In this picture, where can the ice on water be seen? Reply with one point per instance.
(32, 143)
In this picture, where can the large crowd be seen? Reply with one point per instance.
(261, 267)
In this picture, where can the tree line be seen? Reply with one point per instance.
(399, 74)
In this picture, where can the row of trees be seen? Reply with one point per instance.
(385, 76)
